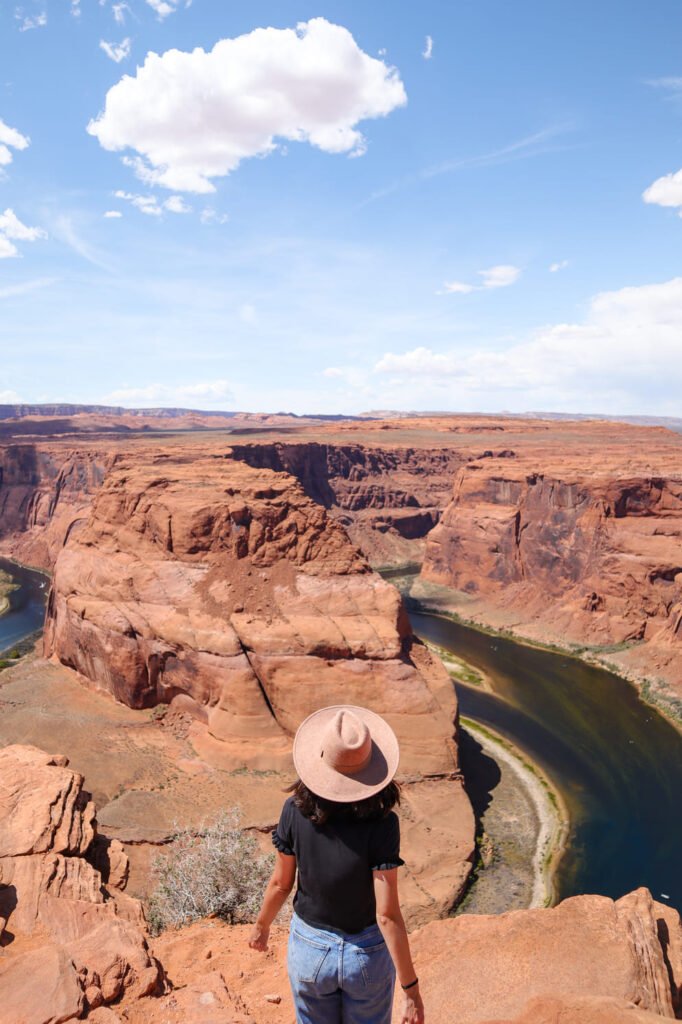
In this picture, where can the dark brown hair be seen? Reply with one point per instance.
(320, 810)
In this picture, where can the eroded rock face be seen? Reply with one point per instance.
(68, 941)
(226, 589)
(44, 490)
(567, 554)
(388, 499)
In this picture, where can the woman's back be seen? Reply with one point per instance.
(335, 863)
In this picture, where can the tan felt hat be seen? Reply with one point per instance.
(345, 753)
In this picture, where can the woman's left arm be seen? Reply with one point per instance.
(278, 888)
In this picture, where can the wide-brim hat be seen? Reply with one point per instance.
(345, 753)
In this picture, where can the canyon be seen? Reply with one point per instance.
(562, 532)
(211, 587)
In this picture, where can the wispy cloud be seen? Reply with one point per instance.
(670, 83)
(525, 148)
(500, 276)
(210, 393)
(65, 230)
(116, 51)
(427, 52)
(24, 287)
(28, 21)
(152, 206)
(555, 267)
(119, 12)
(211, 216)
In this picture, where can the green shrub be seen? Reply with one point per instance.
(214, 869)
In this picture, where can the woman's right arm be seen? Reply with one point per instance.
(392, 926)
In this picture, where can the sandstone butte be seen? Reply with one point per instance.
(74, 945)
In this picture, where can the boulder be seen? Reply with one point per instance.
(71, 943)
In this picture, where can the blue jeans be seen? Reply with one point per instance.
(340, 979)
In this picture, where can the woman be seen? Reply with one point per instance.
(347, 939)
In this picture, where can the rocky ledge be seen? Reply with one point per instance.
(73, 945)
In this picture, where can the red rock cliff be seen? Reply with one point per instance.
(388, 498)
(44, 489)
(587, 554)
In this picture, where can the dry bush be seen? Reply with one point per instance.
(215, 869)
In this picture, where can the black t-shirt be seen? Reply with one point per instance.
(335, 863)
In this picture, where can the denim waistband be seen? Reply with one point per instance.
(367, 937)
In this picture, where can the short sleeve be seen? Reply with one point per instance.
(282, 837)
(385, 849)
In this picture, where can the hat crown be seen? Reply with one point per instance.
(346, 743)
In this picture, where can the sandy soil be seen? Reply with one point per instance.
(7, 585)
(525, 826)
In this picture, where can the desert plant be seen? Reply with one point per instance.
(215, 869)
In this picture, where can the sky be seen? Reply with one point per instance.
(465, 205)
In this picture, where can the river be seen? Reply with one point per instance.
(615, 760)
(27, 604)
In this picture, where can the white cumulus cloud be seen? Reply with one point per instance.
(500, 276)
(116, 51)
(10, 139)
(665, 191)
(560, 265)
(192, 117)
(427, 52)
(211, 393)
(176, 204)
(163, 7)
(112, 214)
(13, 230)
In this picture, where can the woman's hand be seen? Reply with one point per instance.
(413, 1007)
(259, 938)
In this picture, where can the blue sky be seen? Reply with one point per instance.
(342, 216)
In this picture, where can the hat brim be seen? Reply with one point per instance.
(327, 782)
